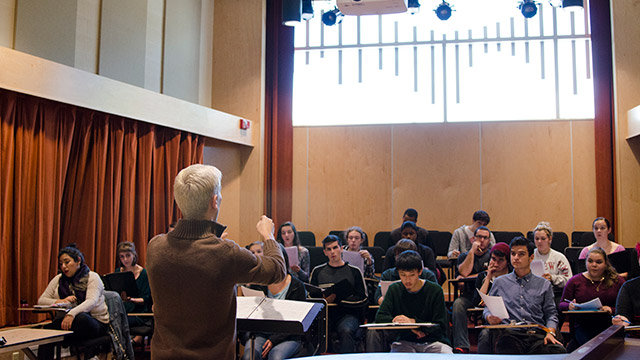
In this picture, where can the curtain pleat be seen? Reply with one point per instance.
(74, 175)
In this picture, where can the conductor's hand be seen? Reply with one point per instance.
(265, 227)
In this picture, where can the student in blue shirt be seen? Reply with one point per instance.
(528, 299)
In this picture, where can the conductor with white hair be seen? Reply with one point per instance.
(193, 273)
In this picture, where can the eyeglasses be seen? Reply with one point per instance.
(482, 237)
(3, 341)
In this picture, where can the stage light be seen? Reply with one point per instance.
(307, 10)
(443, 12)
(291, 12)
(528, 8)
(332, 17)
(414, 6)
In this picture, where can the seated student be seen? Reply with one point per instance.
(256, 248)
(410, 231)
(422, 235)
(628, 302)
(276, 346)
(287, 235)
(469, 263)
(82, 290)
(463, 236)
(601, 230)
(128, 260)
(346, 317)
(376, 341)
(529, 299)
(392, 274)
(415, 300)
(599, 281)
(556, 266)
(355, 237)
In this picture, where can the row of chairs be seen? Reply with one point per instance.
(441, 239)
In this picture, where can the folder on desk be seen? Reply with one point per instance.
(342, 289)
(121, 281)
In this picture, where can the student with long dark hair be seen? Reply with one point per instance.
(81, 289)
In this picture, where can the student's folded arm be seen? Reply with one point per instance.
(95, 289)
(50, 294)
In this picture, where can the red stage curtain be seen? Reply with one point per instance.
(69, 174)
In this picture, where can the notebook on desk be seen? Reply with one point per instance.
(342, 289)
(121, 281)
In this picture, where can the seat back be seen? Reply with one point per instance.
(440, 240)
(572, 253)
(307, 238)
(378, 257)
(506, 236)
(560, 240)
(316, 256)
(582, 238)
(118, 325)
(382, 239)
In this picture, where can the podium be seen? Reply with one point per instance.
(265, 315)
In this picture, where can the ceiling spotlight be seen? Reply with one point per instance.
(332, 17)
(414, 6)
(443, 12)
(307, 10)
(528, 8)
(291, 12)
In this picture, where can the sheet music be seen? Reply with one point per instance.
(384, 286)
(495, 304)
(375, 325)
(250, 292)
(272, 309)
(246, 305)
(537, 267)
(354, 258)
(594, 304)
(292, 253)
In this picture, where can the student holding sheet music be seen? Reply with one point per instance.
(414, 300)
(82, 289)
(556, 266)
(349, 294)
(276, 346)
(628, 301)
(287, 235)
(528, 299)
(355, 237)
(193, 273)
(128, 261)
(599, 281)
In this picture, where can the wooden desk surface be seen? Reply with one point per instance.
(18, 339)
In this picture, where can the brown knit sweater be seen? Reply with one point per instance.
(192, 274)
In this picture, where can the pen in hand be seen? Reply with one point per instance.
(623, 320)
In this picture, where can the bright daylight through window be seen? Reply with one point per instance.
(485, 63)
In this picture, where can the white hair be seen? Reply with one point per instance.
(194, 188)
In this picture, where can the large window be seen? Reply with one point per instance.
(486, 63)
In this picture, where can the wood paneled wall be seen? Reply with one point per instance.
(626, 52)
(520, 172)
